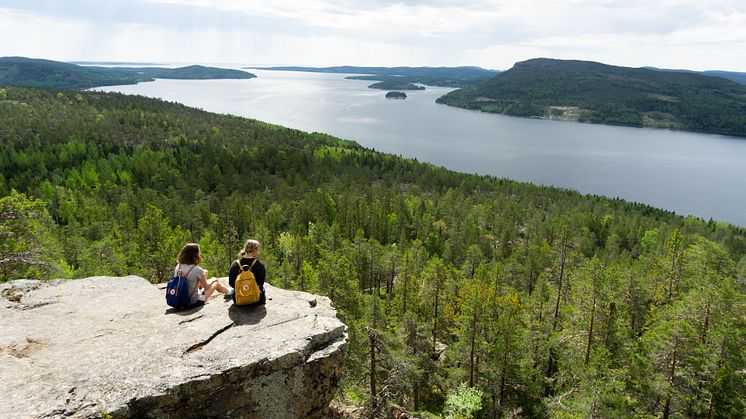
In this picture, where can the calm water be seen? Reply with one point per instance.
(698, 174)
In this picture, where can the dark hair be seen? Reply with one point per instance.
(189, 254)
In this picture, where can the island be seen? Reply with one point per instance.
(395, 84)
(396, 95)
(586, 91)
(30, 72)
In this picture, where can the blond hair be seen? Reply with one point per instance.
(249, 246)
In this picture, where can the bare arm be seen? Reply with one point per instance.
(202, 281)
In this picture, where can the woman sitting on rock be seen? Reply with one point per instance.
(199, 289)
(249, 260)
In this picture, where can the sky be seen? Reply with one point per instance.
(680, 34)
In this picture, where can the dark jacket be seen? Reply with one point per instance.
(260, 273)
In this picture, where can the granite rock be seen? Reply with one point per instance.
(107, 346)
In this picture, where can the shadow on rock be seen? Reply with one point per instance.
(186, 311)
(242, 315)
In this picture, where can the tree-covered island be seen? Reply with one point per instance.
(396, 95)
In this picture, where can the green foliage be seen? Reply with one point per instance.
(598, 93)
(158, 244)
(28, 241)
(464, 403)
(548, 302)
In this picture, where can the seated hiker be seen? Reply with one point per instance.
(200, 290)
(249, 260)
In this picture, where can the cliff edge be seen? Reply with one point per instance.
(106, 346)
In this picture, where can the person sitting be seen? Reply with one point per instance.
(200, 290)
(249, 257)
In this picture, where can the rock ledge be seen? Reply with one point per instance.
(109, 346)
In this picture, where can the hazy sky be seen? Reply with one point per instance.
(697, 35)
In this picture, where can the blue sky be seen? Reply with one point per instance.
(697, 35)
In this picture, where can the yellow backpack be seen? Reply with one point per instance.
(246, 290)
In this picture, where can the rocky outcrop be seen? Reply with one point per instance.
(110, 347)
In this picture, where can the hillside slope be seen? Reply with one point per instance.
(598, 93)
(567, 305)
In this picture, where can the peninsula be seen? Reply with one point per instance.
(30, 72)
(587, 91)
(393, 77)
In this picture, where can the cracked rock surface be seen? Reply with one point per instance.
(110, 346)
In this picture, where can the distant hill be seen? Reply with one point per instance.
(198, 72)
(593, 92)
(730, 75)
(29, 72)
(402, 76)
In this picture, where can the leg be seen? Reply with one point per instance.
(214, 285)
(220, 287)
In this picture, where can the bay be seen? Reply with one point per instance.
(690, 173)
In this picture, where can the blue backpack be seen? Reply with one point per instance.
(177, 290)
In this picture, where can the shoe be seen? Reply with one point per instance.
(229, 295)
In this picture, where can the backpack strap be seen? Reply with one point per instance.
(240, 266)
(181, 273)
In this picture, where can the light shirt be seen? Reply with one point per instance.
(192, 279)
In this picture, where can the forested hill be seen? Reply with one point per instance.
(20, 71)
(593, 92)
(396, 77)
(193, 72)
(464, 295)
(737, 77)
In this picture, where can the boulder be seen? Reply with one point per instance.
(106, 346)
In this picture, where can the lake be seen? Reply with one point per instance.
(689, 173)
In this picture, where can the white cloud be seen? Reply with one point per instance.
(381, 18)
(489, 33)
(702, 48)
(32, 35)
